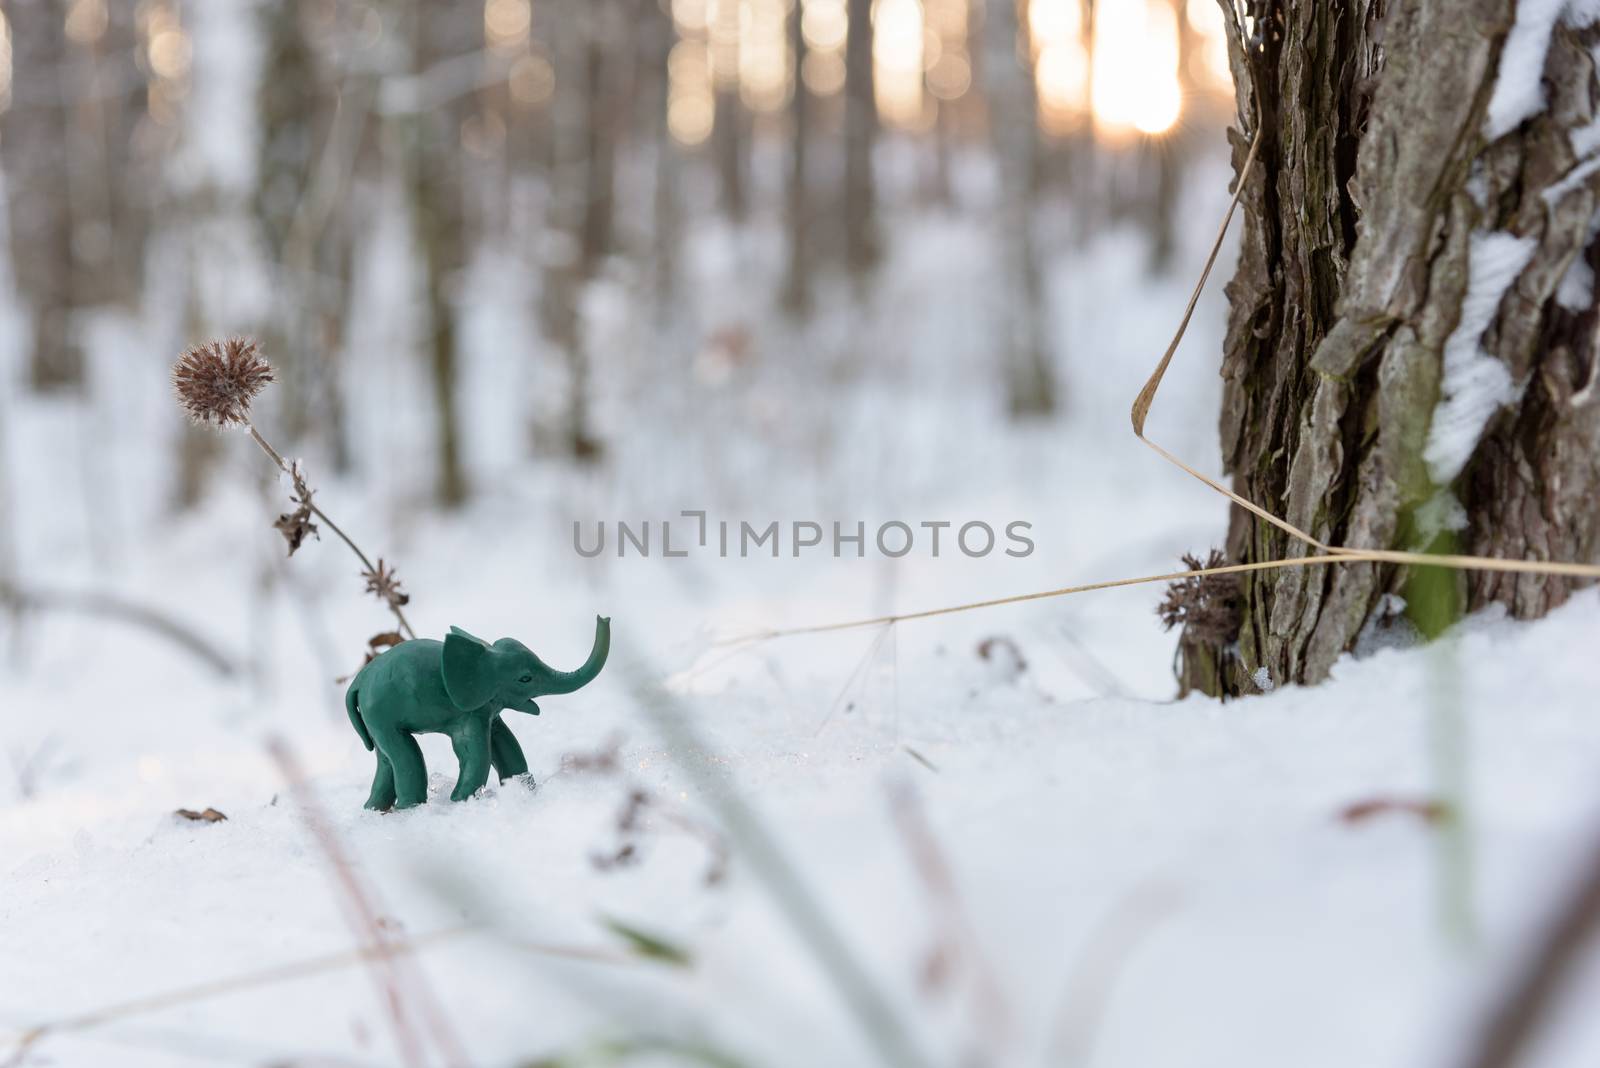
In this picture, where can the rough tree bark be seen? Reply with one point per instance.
(1008, 82)
(35, 135)
(1410, 234)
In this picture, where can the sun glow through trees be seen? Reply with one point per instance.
(1122, 73)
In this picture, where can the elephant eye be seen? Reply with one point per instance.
(526, 679)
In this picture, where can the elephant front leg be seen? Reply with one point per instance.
(471, 743)
(504, 752)
(382, 797)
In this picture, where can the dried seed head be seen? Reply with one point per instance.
(1207, 606)
(217, 381)
(384, 585)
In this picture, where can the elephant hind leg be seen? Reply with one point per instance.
(382, 797)
(402, 753)
(471, 743)
(504, 752)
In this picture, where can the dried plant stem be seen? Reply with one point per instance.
(284, 466)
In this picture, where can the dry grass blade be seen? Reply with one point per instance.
(874, 1012)
(233, 984)
(399, 989)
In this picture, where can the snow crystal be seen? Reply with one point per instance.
(1263, 679)
(1475, 384)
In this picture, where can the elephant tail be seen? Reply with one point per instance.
(351, 706)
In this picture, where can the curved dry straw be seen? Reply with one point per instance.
(1326, 554)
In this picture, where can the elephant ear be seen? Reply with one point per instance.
(468, 669)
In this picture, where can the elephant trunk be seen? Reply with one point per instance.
(561, 682)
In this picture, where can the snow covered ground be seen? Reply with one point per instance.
(1132, 882)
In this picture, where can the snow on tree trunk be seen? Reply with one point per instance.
(35, 135)
(1410, 355)
(1030, 386)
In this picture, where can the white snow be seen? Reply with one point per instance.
(1576, 291)
(1475, 384)
(1519, 84)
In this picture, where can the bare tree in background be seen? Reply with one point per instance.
(576, 22)
(287, 106)
(442, 33)
(35, 133)
(1411, 351)
(797, 277)
(1030, 386)
(730, 129)
(655, 48)
(860, 135)
(1172, 151)
(114, 166)
(603, 128)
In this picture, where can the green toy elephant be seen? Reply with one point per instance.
(457, 687)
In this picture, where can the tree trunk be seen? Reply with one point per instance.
(656, 41)
(444, 32)
(797, 279)
(113, 196)
(570, 203)
(1172, 150)
(601, 126)
(286, 106)
(1410, 357)
(860, 134)
(728, 132)
(1030, 386)
(36, 138)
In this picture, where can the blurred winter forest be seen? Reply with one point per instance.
(593, 209)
